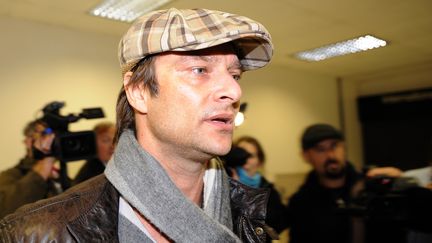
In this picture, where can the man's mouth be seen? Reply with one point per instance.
(332, 165)
(224, 121)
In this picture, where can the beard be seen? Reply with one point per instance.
(333, 169)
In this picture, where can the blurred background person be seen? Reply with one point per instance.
(249, 174)
(317, 211)
(105, 132)
(34, 177)
(313, 210)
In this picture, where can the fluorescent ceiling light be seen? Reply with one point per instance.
(359, 44)
(126, 10)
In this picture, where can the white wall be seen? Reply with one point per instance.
(42, 63)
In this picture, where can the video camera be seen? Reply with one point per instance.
(390, 207)
(70, 146)
(384, 198)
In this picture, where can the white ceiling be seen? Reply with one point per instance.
(295, 25)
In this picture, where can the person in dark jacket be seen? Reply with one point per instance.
(31, 179)
(315, 213)
(249, 174)
(105, 132)
(175, 115)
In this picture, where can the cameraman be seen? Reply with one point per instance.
(31, 179)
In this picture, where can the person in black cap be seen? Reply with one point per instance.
(312, 212)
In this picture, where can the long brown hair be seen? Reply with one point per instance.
(142, 74)
(260, 151)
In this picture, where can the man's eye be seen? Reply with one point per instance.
(199, 70)
(236, 77)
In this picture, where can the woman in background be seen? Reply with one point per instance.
(249, 174)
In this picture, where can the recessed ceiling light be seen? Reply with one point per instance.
(126, 10)
(359, 44)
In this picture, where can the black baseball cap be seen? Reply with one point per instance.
(314, 134)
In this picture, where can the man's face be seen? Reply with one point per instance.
(327, 158)
(193, 113)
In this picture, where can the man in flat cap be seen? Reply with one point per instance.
(175, 114)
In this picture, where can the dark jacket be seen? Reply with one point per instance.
(275, 207)
(88, 212)
(21, 185)
(313, 212)
(91, 168)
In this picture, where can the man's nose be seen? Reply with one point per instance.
(330, 152)
(229, 90)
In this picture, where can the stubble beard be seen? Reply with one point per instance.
(332, 173)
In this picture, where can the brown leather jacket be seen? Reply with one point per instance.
(88, 212)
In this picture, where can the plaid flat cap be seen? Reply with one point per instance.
(194, 29)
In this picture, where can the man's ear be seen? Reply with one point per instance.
(136, 94)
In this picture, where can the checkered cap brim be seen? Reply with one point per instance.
(195, 29)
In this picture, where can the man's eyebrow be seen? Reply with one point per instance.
(236, 65)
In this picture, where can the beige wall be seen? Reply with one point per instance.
(42, 63)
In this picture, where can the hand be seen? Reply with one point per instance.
(384, 171)
(45, 166)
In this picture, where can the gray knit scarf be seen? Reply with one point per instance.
(145, 185)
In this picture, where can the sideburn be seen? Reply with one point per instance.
(142, 74)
